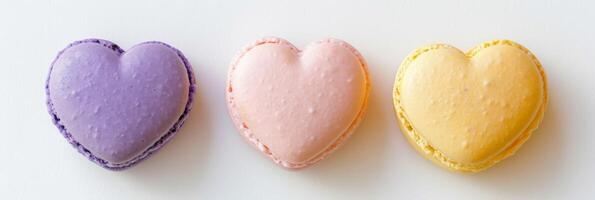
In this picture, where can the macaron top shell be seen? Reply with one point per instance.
(117, 107)
(471, 110)
(297, 104)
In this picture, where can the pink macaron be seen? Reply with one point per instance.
(297, 106)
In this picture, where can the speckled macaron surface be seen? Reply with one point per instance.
(468, 111)
(117, 107)
(297, 106)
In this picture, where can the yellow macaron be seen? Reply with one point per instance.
(468, 111)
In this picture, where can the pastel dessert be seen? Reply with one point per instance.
(297, 106)
(115, 107)
(469, 111)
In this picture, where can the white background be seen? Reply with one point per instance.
(209, 160)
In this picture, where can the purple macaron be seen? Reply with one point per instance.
(115, 107)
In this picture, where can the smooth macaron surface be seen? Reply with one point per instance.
(468, 111)
(296, 106)
(119, 107)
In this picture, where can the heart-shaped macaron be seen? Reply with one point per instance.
(468, 111)
(297, 106)
(117, 107)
